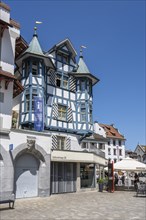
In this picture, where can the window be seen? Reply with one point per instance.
(83, 112)
(114, 142)
(90, 88)
(33, 95)
(115, 160)
(108, 142)
(65, 82)
(114, 151)
(60, 143)
(109, 151)
(101, 146)
(62, 112)
(120, 152)
(34, 68)
(119, 142)
(84, 145)
(58, 81)
(90, 113)
(27, 97)
(82, 85)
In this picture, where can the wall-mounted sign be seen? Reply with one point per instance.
(38, 114)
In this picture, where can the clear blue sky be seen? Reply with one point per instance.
(114, 33)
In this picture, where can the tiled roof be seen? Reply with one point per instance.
(111, 131)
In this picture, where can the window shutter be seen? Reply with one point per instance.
(72, 83)
(55, 111)
(69, 114)
(68, 143)
(52, 78)
(54, 142)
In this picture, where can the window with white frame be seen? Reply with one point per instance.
(83, 112)
(120, 152)
(115, 151)
(61, 143)
(109, 151)
(120, 143)
(62, 111)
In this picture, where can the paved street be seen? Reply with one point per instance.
(87, 205)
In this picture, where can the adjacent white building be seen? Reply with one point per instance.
(114, 147)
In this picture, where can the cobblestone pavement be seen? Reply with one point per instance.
(87, 205)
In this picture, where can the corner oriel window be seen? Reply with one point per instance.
(62, 112)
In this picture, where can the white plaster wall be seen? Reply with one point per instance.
(99, 130)
(6, 107)
(4, 15)
(17, 138)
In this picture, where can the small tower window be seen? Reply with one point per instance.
(83, 112)
(90, 113)
(82, 85)
(34, 68)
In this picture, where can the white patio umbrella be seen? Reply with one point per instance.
(129, 164)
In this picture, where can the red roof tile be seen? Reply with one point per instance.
(111, 131)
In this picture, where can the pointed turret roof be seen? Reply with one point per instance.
(82, 67)
(34, 46)
(83, 71)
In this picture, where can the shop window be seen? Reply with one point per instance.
(87, 175)
(62, 110)
(60, 143)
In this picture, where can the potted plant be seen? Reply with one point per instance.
(100, 184)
